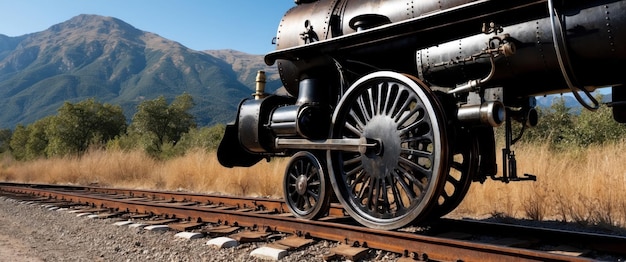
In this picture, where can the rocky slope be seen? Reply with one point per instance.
(106, 58)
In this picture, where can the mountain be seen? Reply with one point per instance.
(246, 67)
(106, 58)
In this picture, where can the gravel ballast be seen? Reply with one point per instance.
(30, 232)
(34, 233)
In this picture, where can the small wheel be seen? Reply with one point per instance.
(305, 186)
(397, 182)
(463, 168)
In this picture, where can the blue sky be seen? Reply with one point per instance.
(244, 25)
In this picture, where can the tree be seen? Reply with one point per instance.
(38, 138)
(598, 127)
(5, 139)
(556, 126)
(161, 123)
(79, 125)
(562, 128)
(207, 138)
(18, 142)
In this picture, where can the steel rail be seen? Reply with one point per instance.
(414, 245)
(336, 210)
(268, 204)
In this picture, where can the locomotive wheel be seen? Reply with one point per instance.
(463, 167)
(305, 187)
(398, 181)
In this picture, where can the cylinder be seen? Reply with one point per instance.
(489, 113)
(594, 41)
(283, 121)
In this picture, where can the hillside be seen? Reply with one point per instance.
(246, 67)
(106, 58)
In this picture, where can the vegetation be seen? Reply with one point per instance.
(564, 130)
(5, 140)
(77, 126)
(578, 160)
(586, 186)
(159, 124)
(156, 126)
(103, 57)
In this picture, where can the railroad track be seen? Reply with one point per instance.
(255, 219)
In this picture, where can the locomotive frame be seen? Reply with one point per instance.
(392, 104)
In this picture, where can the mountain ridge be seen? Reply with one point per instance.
(109, 59)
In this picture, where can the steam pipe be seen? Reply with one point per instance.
(473, 85)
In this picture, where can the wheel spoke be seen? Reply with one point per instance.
(411, 127)
(354, 171)
(463, 167)
(402, 109)
(361, 105)
(375, 194)
(357, 120)
(395, 192)
(386, 204)
(315, 183)
(352, 161)
(393, 185)
(457, 166)
(413, 166)
(370, 97)
(379, 99)
(313, 194)
(307, 202)
(404, 185)
(353, 129)
(417, 112)
(360, 192)
(388, 100)
(397, 97)
(360, 177)
(416, 152)
(305, 186)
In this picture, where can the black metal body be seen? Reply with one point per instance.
(338, 41)
(431, 39)
(471, 64)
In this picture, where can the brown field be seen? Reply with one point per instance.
(586, 186)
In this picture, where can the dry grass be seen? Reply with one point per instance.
(197, 171)
(587, 186)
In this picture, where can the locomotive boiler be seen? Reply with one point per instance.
(391, 104)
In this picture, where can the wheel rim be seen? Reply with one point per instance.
(396, 183)
(305, 186)
(463, 167)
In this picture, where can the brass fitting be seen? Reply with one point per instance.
(260, 86)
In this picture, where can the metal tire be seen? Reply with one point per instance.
(305, 186)
(463, 167)
(398, 183)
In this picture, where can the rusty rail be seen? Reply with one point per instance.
(409, 244)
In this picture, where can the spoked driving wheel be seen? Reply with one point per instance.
(305, 187)
(463, 167)
(396, 182)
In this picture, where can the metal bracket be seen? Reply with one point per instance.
(509, 163)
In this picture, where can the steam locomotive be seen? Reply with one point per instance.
(391, 104)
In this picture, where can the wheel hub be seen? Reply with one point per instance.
(301, 184)
(304, 186)
(384, 130)
(397, 181)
